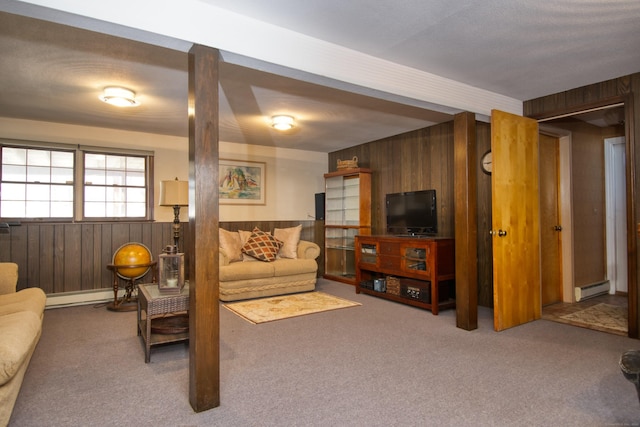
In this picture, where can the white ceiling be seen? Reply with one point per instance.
(519, 49)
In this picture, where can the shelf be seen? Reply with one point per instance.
(347, 213)
(424, 268)
(449, 303)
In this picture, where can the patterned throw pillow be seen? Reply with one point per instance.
(262, 245)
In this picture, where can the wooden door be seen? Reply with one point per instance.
(550, 224)
(515, 220)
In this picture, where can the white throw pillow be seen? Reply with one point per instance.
(290, 237)
(230, 244)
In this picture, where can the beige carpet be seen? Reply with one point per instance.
(286, 306)
(605, 316)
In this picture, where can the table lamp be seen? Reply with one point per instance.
(175, 193)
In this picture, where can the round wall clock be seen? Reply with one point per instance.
(487, 162)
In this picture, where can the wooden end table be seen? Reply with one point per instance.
(157, 306)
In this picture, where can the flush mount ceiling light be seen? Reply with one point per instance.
(119, 96)
(282, 122)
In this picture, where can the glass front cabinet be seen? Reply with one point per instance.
(347, 214)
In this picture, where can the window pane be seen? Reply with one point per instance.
(13, 209)
(62, 193)
(38, 174)
(94, 194)
(116, 210)
(94, 161)
(116, 195)
(62, 175)
(135, 179)
(14, 156)
(116, 162)
(37, 209)
(136, 194)
(94, 177)
(136, 210)
(62, 159)
(61, 209)
(94, 209)
(115, 177)
(13, 192)
(14, 173)
(37, 192)
(136, 164)
(39, 157)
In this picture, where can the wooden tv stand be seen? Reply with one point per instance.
(424, 266)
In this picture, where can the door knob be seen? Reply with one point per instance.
(502, 233)
(558, 228)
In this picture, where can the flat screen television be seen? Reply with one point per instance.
(412, 213)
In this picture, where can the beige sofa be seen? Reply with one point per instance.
(21, 315)
(242, 276)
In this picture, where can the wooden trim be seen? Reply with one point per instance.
(632, 249)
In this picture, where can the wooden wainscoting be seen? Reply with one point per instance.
(66, 257)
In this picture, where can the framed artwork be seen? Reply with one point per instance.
(241, 182)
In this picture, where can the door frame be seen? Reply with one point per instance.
(630, 173)
(612, 218)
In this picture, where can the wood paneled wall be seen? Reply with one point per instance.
(71, 257)
(485, 242)
(627, 90)
(420, 160)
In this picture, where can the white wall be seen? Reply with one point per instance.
(292, 176)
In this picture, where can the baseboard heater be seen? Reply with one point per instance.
(593, 290)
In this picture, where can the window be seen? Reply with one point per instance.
(74, 183)
(114, 186)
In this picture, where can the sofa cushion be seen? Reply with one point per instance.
(231, 245)
(262, 245)
(290, 237)
(287, 267)
(246, 271)
(18, 332)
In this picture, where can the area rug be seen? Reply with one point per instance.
(601, 317)
(283, 307)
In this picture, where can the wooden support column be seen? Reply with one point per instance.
(204, 316)
(466, 220)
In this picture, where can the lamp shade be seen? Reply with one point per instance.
(174, 193)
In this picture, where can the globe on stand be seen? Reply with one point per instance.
(130, 262)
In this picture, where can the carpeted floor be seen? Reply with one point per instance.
(380, 364)
(264, 310)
